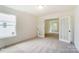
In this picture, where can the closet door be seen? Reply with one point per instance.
(65, 29)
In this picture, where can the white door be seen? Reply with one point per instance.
(65, 29)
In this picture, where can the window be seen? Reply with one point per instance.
(7, 25)
(53, 26)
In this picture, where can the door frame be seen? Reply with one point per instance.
(51, 19)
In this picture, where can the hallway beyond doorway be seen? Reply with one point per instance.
(52, 36)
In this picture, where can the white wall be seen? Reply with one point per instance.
(25, 27)
(42, 19)
(76, 38)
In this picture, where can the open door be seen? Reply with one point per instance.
(52, 28)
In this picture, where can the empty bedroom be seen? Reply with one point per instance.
(39, 28)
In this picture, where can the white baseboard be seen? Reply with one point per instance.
(65, 40)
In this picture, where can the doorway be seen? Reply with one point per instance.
(52, 28)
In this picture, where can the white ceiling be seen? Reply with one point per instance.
(33, 9)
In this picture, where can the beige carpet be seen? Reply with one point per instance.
(39, 45)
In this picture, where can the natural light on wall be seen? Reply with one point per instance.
(7, 25)
(53, 26)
